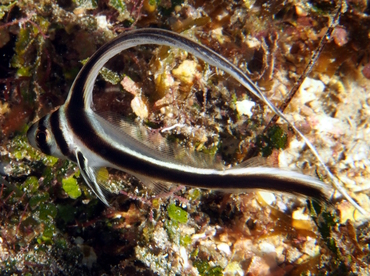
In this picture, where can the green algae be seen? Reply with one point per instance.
(5, 8)
(61, 243)
(107, 74)
(185, 240)
(148, 232)
(275, 138)
(43, 25)
(208, 150)
(66, 212)
(166, 11)
(30, 39)
(110, 76)
(172, 230)
(48, 232)
(177, 214)
(195, 253)
(325, 222)
(70, 186)
(47, 211)
(50, 160)
(118, 5)
(31, 185)
(205, 269)
(20, 60)
(194, 194)
(48, 175)
(38, 198)
(87, 4)
(20, 148)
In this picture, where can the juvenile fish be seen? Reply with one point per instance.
(77, 133)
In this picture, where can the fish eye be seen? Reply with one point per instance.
(42, 139)
(41, 136)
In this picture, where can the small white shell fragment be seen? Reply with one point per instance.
(266, 247)
(139, 107)
(160, 238)
(101, 21)
(310, 247)
(310, 90)
(217, 34)
(233, 268)
(208, 232)
(300, 215)
(300, 10)
(184, 258)
(252, 42)
(281, 206)
(348, 212)
(329, 125)
(224, 247)
(293, 254)
(130, 86)
(259, 266)
(287, 156)
(268, 197)
(301, 220)
(245, 107)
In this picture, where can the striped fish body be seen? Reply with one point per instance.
(77, 133)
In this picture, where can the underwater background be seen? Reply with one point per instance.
(311, 58)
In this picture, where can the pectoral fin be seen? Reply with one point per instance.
(89, 174)
(156, 187)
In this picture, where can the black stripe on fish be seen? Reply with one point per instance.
(58, 135)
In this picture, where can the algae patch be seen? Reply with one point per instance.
(71, 187)
(177, 214)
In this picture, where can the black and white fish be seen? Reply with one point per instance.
(77, 133)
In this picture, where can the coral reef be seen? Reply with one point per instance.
(52, 224)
